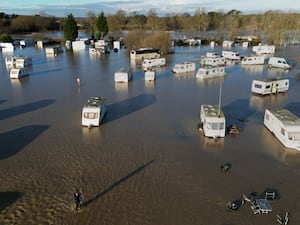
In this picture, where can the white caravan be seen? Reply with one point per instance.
(123, 75)
(213, 121)
(150, 63)
(231, 55)
(278, 62)
(144, 53)
(150, 75)
(18, 72)
(184, 67)
(93, 112)
(264, 49)
(53, 50)
(285, 126)
(269, 86)
(208, 72)
(253, 60)
(23, 61)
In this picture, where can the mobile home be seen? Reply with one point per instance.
(93, 111)
(208, 72)
(213, 121)
(150, 63)
(23, 61)
(144, 53)
(278, 62)
(53, 50)
(123, 75)
(184, 67)
(269, 86)
(15, 73)
(285, 126)
(263, 49)
(212, 61)
(253, 60)
(231, 55)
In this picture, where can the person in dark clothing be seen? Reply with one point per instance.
(78, 199)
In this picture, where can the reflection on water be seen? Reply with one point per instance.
(185, 76)
(276, 72)
(212, 144)
(253, 69)
(206, 82)
(121, 87)
(150, 85)
(17, 83)
(268, 101)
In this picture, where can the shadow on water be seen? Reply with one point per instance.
(2, 101)
(24, 135)
(238, 112)
(45, 72)
(294, 107)
(126, 107)
(17, 110)
(7, 198)
(117, 183)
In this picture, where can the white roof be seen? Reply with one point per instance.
(286, 117)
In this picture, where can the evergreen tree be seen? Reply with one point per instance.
(70, 28)
(102, 26)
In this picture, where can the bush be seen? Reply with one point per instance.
(5, 38)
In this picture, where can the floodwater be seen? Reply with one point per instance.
(147, 163)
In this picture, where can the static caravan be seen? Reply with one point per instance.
(184, 67)
(253, 60)
(227, 44)
(150, 75)
(150, 63)
(269, 86)
(7, 47)
(212, 61)
(18, 72)
(285, 126)
(231, 55)
(93, 112)
(53, 50)
(10, 61)
(213, 121)
(278, 62)
(144, 53)
(78, 45)
(264, 49)
(23, 61)
(123, 75)
(208, 72)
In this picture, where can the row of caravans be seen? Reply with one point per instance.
(18, 61)
(18, 66)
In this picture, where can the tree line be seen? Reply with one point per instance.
(274, 27)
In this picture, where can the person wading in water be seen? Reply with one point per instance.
(78, 199)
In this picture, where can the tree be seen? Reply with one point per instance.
(70, 28)
(102, 26)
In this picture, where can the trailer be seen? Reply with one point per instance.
(285, 126)
(233, 55)
(253, 60)
(269, 86)
(150, 63)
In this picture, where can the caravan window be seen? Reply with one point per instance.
(258, 86)
(90, 115)
(268, 86)
(282, 131)
(267, 117)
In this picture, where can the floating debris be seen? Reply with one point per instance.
(225, 167)
(234, 130)
(283, 220)
(232, 206)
